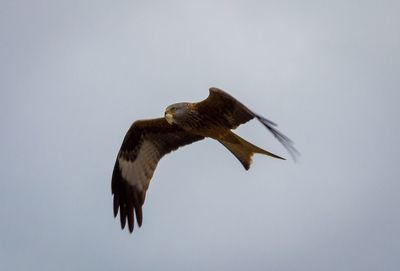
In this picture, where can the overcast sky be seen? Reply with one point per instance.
(76, 74)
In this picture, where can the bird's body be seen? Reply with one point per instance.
(147, 141)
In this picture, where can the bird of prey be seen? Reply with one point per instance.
(147, 141)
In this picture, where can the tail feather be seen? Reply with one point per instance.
(242, 149)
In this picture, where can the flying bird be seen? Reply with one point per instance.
(147, 141)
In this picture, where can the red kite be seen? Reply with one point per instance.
(147, 141)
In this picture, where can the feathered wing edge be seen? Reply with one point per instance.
(128, 197)
(133, 199)
(284, 140)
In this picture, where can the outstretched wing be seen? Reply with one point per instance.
(222, 109)
(145, 143)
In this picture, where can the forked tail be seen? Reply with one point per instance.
(242, 149)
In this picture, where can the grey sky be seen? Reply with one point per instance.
(75, 74)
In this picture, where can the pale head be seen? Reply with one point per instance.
(176, 113)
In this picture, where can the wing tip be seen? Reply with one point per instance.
(128, 213)
(122, 220)
(139, 215)
(284, 140)
(131, 225)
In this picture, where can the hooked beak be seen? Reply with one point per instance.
(169, 117)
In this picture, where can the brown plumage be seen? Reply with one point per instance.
(147, 141)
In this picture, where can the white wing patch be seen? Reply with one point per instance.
(139, 172)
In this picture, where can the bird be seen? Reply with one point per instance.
(147, 141)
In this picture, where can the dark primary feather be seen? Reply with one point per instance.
(284, 140)
(222, 109)
(128, 198)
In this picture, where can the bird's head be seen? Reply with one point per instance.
(175, 113)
